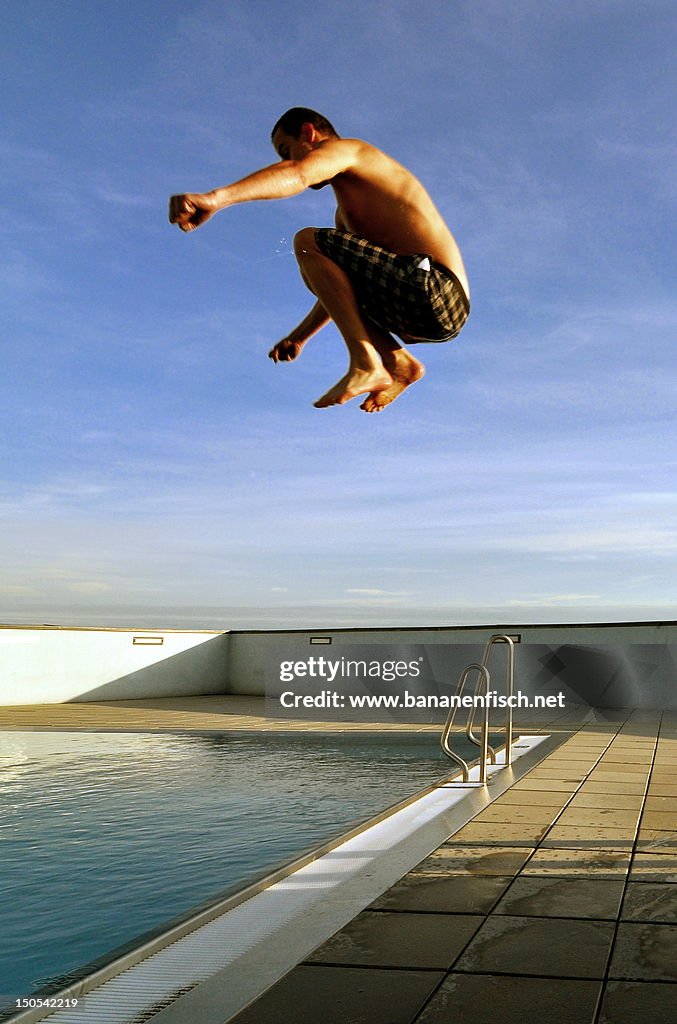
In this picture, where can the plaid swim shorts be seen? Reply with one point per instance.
(411, 296)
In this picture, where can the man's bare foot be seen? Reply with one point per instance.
(356, 382)
(404, 370)
(286, 350)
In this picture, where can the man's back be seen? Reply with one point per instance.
(382, 201)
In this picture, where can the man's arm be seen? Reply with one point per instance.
(279, 181)
(290, 347)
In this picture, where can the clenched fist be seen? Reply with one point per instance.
(191, 210)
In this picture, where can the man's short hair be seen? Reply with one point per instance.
(292, 121)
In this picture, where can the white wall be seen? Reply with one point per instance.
(44, 665)
(614, 665)
(606, 665)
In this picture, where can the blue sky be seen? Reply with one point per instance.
(157, 468)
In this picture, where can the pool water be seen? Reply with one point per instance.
(104, 836)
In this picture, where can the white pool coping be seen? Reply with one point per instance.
(219, 967)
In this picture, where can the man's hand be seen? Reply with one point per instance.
(191, 210)
(292, 345)
(286, 350)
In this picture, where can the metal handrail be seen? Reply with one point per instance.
(483, 677)
(510, 689)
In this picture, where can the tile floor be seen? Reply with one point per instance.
(556, 903)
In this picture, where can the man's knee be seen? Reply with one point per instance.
(304, 243)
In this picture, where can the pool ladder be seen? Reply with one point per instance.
(487, 753)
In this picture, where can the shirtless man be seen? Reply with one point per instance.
(391, 265)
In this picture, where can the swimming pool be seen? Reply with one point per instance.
(105, 836)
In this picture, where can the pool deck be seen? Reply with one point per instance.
(557, 902)
(222, 713)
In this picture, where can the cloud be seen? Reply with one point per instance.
(89, 587)
(375, 592)
(110, 195)
(643, 540)
(550, 600)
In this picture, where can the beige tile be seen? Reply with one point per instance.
(531, 784)
(628, 742)
(568, 764)
(581, 837)
(518, 814)
(625, 757)
(604, 775)
(645, 738)
(653, 840)
(555, 773)
(613, 786)
(583, 749)
(507, 835)
(660, 819)
(662, 777)
(663, 789)
(598, 863)
(619, 768)
(654, 867)
(531, 798)
(473, 860)
(610, 801)
(599, 817)
(635, 761)
(586, 742)
(661, 803)
(646, 748)
(588, 739)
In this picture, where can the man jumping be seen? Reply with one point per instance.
(390, 266)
